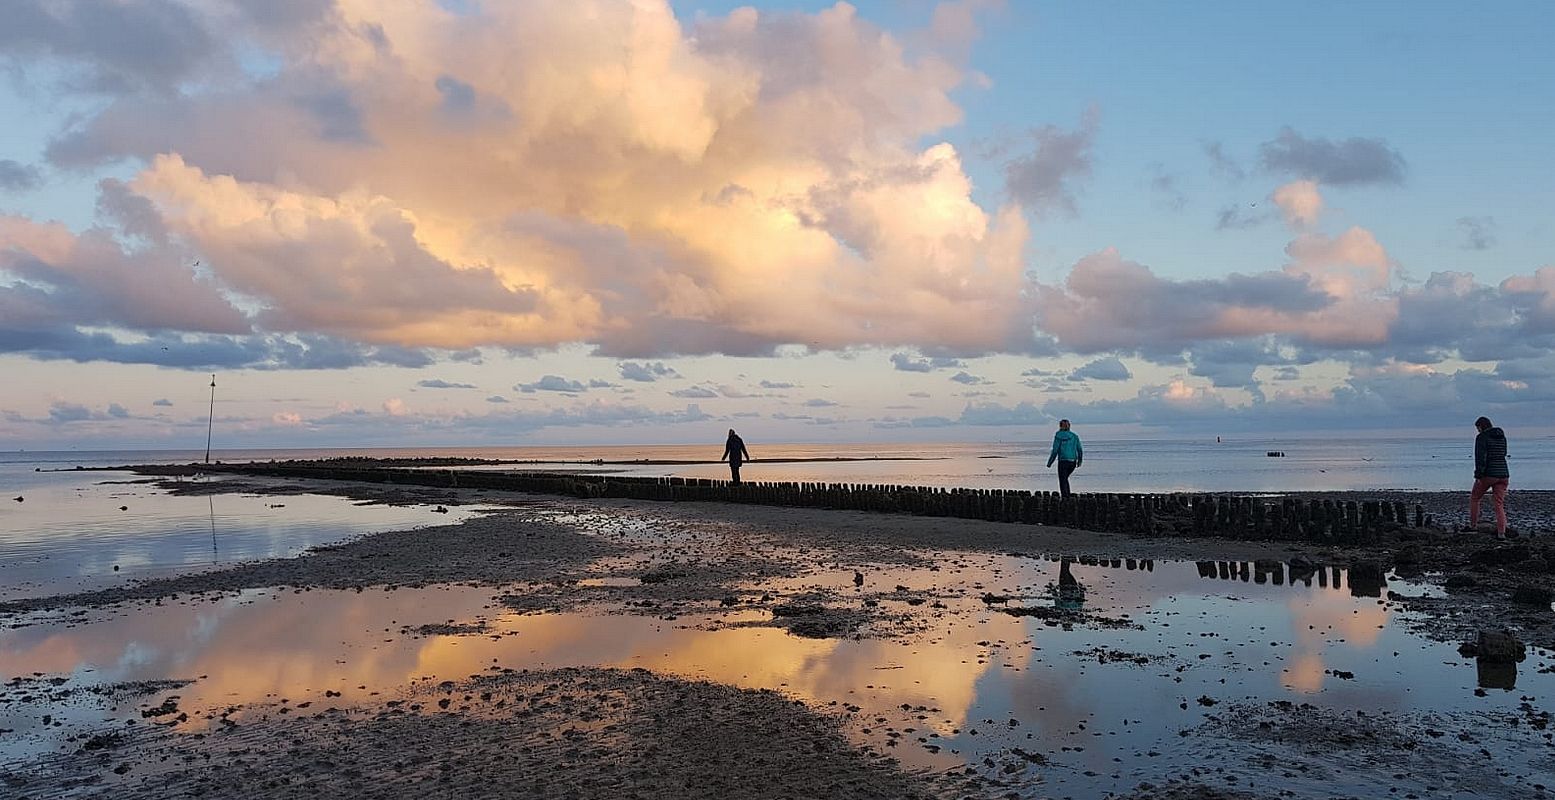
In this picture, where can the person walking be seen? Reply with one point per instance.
(735, 454)
(1491, 474)
(1068, 453)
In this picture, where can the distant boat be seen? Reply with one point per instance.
(1275, 454)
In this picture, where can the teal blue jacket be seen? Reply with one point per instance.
(1066, 447)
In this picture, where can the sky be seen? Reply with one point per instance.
(456, 222)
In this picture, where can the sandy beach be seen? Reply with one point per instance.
(805, 576)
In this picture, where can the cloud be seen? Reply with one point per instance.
(968, 379)
(1223, 164)
(1044, 179)
(1102, 369)
(117, 411)
(1299, 202)
(395, 407)
(1389, 396)
(818, 402)
(552, 383)
(438, 383)
(1237, 218)
(694, 392)
(778, 385)
(646, 372)
(995, 415)
(652, 185)
(116, 47)
(1479, 233)
(1353, 161)
(595, 383)
(15, 177)
(62, 278)
(497, 398)
(1168, 192)
(164, 402)
(906, 362)
(1108, 303)
(62, 412)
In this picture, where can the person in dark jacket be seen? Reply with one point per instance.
(1490, 474)
(1068, 453)
(735, 454)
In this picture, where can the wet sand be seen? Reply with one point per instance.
(614, 733)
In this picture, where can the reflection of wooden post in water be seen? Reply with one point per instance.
(212, 503)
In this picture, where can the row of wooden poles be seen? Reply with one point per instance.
(1250, 517)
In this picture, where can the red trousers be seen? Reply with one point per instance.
(1497, 489)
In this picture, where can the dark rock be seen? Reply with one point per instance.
(797, 609)
(1460, 581)
(1407, 555)
(1527, 594)
(1498, 647)
(1500, 556)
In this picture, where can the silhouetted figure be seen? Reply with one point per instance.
(1068, 453)
(1490, 474)
(735, 454)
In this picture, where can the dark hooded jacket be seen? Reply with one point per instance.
(1490, 454)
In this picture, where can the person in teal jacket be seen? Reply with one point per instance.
(1068, 453)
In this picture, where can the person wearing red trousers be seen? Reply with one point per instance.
(1491, 474)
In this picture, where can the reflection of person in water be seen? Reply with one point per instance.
(1069, 595)
(735, 454)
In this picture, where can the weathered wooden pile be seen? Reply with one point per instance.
(1244, 517)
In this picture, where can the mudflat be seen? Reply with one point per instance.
(932, 610)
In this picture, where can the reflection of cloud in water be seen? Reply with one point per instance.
(1315, 620)
(291, 645)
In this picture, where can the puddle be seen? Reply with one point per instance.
(1106, 706)
(78, 531)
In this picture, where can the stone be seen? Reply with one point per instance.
(1497, 647)
(1530, 595)
(1460, 581)
(1497, 556)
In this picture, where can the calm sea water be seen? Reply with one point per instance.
(1128, 465)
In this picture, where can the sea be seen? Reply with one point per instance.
(63, 529)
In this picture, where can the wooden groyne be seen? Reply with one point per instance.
(1234, 516)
